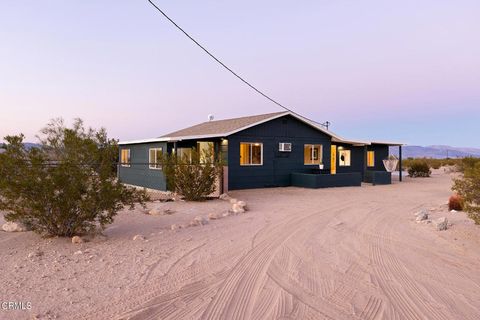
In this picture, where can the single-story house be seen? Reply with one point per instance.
(267, 150)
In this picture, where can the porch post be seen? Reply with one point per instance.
(364, 162)
(400, 162)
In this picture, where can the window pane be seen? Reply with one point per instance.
(257, 153)
(312, 154)
(125, 157)
(371, 158)
(151, 158)
(307, 154)
(244, 153)
(344, 157)
(158, 158)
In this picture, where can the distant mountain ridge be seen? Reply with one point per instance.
(436, 152)
(28, 145)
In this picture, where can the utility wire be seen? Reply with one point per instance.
(326, 124)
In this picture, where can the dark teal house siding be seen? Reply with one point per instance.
(277, 166)
(381, 153)
(139, 173)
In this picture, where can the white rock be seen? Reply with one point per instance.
(13, 227)
(35, 254)
(214, 215)
(155, 212)
(224, 196)
(453, 211)
(441, 223)
(198, 221)
(77, 239)
(422, 215)
(233, 200)
(78, 252)
(139, 237)
(237, 209)
(175, 227)
(242, 204)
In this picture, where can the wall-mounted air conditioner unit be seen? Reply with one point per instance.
(285, 147)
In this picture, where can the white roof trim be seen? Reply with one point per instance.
(335, 138)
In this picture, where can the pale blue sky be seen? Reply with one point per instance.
(406, 71)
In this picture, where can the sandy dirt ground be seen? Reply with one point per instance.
(339, 253)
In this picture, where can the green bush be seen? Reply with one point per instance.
(419, 168)
(468, 163)
(193, 176)
(67, 186)
(468, 188)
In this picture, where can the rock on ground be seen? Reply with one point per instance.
(422, 215)
(13, 227)
(77, 239)
(441, 223)
(139, 237)
(236, 208)
(175, 227)
(198, 221)
(233, 200)
(224, 196)
(214, 216)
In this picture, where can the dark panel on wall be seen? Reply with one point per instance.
(139, 173)
(277, 166)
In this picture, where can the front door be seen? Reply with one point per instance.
(333, 159)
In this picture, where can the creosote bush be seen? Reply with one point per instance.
(455, 202)
(419, 168)
(193, 175)
(68, 185)
(468, 188)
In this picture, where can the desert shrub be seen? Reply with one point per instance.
(468, 188)
(193, 176)
(468, 163)
(455, 202)
(68, 185)
(419, 168)
(436, 164)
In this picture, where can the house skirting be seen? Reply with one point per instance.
(308, 180)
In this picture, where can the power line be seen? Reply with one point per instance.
(326, 124)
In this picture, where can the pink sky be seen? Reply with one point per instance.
(408, 71)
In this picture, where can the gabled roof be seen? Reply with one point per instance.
(222, 127)
(227, 127)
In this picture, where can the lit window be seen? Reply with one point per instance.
(251, 154)
(313, 154)
(344, 157)
(155, 158)
(205, 149)
(185, 154)
(371, 158)
(125, 158)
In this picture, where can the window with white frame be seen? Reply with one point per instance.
(344, 157)
(312, 154)
(125, 158)
(251, 154)
(155, 158)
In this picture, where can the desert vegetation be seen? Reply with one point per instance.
(468, 187)
(192, 175)
(433, 163)
(68, 185)
(419, 168)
